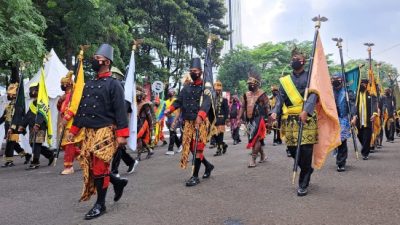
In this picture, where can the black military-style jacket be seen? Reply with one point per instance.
(102, 104)
(30, 119)
(221, 110)
(389, 104)
(189, 101)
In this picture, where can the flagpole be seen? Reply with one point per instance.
(77, 68)
(318, 19)
(339, 45)
(369, 49)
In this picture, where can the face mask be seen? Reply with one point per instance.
(63, 88)
(251, 87)
(297, 64)
(138, 98)
(362, 88)
(275, 93)
(170, 95)
(33, 94)
(96, 65)
(387, 94)
(194, 76)
(336, 83)
(9, 98)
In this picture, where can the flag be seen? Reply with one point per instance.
(43, 106)
(372, 83)
(353, 79)
(130, 96)
(77, 92)
(327, 116)
(19, 107)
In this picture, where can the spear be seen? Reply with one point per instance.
(339, 45)
(318, 19)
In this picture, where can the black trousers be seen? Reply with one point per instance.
(121, 154)
(219, 138)
(342, 154)
(11, 146)
(235, 134)
(277, 133)
(389, 131)
(364, 136)
(37, 149)
(305, 160)
(173, 140)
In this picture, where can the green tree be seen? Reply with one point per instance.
(21, 37)
(235, 68)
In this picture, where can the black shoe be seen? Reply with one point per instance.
(193, 181)
(218, 153)
(95, 212)
(208, 171)
(239, 141)
(32, 167)
(302, 191)
(51, 159)
(365, 158)
(288, 154)
(27, 158)
(132, 167)
(341, 169)
(224, 148)
(164, 143)
(235, 142)
(119, 189)
(8, 164)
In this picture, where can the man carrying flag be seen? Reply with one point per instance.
(318, 114)
(39, 121)
(12, 116)
(366, 114)
(194, 104)
(389, 114)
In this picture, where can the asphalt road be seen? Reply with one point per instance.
(367, 193)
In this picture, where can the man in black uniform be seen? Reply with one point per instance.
(221, 112)
(103, 119)
(195, 104)
(37, 130)
(389, 112)
(11, 129)
(366, 113)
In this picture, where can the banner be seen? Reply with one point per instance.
(130, 96)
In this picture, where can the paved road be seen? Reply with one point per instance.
(367, 193)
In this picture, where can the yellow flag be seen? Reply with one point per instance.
(43, 106)
(77, 92)
(327, 116)
(371, 88)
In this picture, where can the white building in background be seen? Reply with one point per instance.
(233, 15)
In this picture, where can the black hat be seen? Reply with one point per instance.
(196, 63)
(106, 50)
(365, 81)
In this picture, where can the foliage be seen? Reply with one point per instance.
(21, 36)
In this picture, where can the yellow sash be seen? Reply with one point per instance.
(294, 96)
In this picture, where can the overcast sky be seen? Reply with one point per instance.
(356, 21)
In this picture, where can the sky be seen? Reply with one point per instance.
(355, 21)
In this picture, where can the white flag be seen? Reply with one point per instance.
(130, 96)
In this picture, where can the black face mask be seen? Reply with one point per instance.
(9, 98)
(194, 76)
(138, 98)
(252, 87)
(387, 94)
(297, 64)
(336, 83)
(63, 88)
(170, 95)
(33, 95)
(275, 93)
(362, 88)
(96, 65)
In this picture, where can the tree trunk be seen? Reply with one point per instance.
(14, 73)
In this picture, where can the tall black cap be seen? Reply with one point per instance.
(196, 63)
(107, 51)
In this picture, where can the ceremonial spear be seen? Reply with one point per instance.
(318, 19)
(339, 45)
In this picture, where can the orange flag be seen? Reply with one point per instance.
(328, 121)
